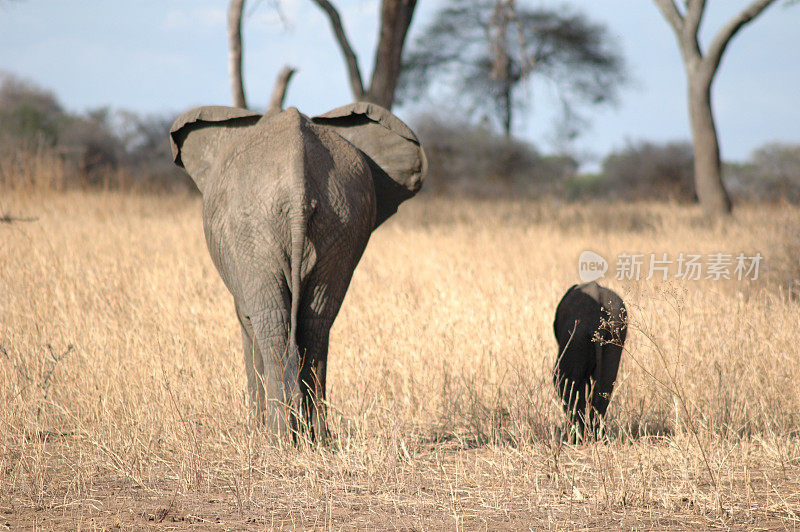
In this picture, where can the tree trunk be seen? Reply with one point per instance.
(235, 52)
(507, 110)
(395, 20)
(700, 70)
(501, 61)
(707, 164)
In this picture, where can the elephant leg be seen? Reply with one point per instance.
(252, 364)
(313, 342)
(575, 368)
(604, 386)
(279, 369)
(573, 397)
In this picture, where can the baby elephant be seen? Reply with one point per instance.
(590, 327)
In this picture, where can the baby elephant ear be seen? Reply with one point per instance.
(198, 136)
(400, 162)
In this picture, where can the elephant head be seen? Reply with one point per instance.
(289, 203)
(396, 158)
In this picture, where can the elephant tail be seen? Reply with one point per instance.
(291, 370)
(298, 216)
(295, 266)
(298, 224)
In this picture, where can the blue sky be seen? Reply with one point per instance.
(167, 56)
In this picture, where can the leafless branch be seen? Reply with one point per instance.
(726, 33)
(279, 91)
(8, 219)
(235, 9)
(694, 16)
(671, 13)
(356, 83)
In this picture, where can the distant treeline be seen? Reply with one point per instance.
(42, 144)
(99, 147)
(468, 158)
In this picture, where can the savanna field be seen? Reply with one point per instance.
(122, 386)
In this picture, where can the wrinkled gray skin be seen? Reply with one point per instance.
(289, 203)
(585, 367)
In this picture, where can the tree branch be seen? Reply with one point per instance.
(7, 219)
(713, 55)
(694, 15)
(671, 13)
(279, 91)
(356, 84)
(686, 35)
(235, 52)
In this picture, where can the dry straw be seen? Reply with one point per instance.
(122, 393)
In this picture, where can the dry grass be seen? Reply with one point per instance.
(122, 386)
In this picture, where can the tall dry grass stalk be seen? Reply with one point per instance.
(38, 169)
(122, 391)
(42, 170)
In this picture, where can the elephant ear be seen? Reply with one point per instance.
(198, 136)
(399, 162)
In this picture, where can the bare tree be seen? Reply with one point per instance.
(235, 52)
(701, 67)
(482, 52)
(503, 12)
(395, 21)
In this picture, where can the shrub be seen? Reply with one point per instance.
(97, 148)
(645, 169)
(772, 173)
(468, 158)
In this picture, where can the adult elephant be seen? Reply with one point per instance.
(289, 203)
(590, 327)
